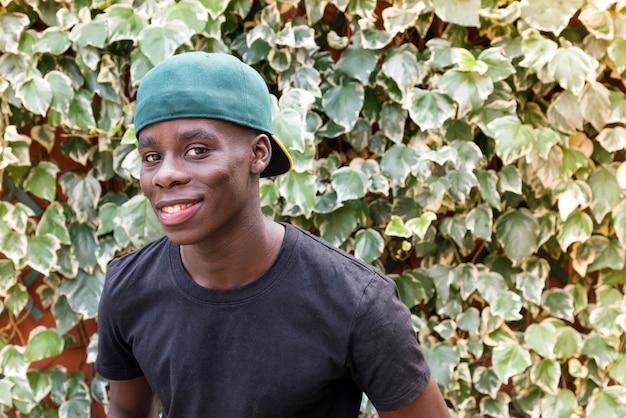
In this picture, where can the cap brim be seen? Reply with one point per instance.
(281, 161)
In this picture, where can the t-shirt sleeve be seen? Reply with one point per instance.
(115, 359)
(385, 360)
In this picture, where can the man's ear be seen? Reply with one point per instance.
(261, 153)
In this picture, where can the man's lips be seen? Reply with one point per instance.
(172, 213)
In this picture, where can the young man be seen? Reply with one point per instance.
(232, 315)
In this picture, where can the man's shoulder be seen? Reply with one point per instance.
(324, 255)
(151, 255)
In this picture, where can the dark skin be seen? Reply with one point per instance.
(202, 178)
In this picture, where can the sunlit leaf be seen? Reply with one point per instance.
(368, 245)
(510, 359)
(514, 140)
(43, 343)
(349, 184)
(160, 42)
(343, 103)
(461, 12)
(549, 15)
(468, 89)
(11, 27)
(429, 108)
(517, 231)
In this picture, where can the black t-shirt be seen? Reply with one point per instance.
(305, 339)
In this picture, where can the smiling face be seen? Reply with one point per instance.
(201, 176)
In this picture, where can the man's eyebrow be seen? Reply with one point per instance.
(145, 141)
(198, 133)
(182, 136)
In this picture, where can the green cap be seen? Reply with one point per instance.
(212, 86)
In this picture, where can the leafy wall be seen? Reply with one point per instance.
(473, 150)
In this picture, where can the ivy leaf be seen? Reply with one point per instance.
(531, 286)
(572, 195)
(398, 19)
(8, 275)
(508, 306)
(563, 404)
(41, 181)
(92, 33)
(368, 245)
(35, 94)
(564, 113)
(14, 246)
(559, 303)
(357, 63)
(486, 381)
(53, 41)
(191, 13)
(419, 226)
(442, 359)
(605, 191)
(343, 103)
(541, 338)
(469, 320)
(546, 374)
(85, 244)
(487, 182)
(298, 189)
(289, 128)
(595, 347)
(136, 217)
(158, 42)
(80, 115)
(576, 228)
(349, 183)
(337, 226)
(43, 343)
(123, 23)
(53, 222)
(64, 315)
(595, 104)
(549, 15)
(499, 68)
(571, 67)
(62, 91)
(461, 12)
(42, 253)
(568, 343)
(480, 222)
(398, 161)
(610, 402)
(514, 140)
(414, 288)
(74, 408)
(617, 52)
(468, 89)
(82, 193)
(396, 228)
(517, 230)
(537, 49)
(612, 139)
(618, 370)
(402, 67)
(83, 292)
(429, 108)
(510, 359)
(11, 27)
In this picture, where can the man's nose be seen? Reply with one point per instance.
(170, 172)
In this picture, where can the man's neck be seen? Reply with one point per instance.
(232, 263)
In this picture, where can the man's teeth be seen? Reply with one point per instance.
(176, 208)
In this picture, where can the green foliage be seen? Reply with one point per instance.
(474, 151)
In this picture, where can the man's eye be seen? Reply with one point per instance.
(195, 151)
(151, 158)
